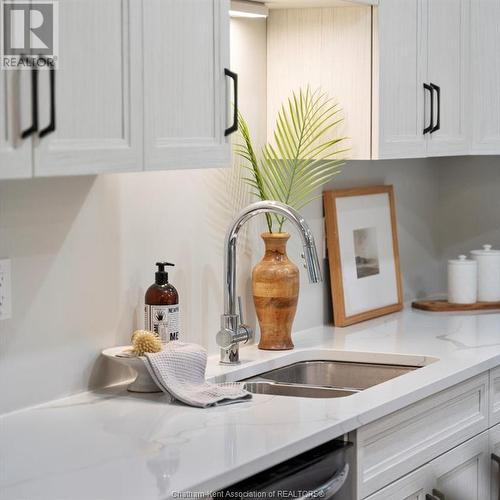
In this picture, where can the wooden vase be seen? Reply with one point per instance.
(275, 286)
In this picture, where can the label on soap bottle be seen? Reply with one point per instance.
(163, 321)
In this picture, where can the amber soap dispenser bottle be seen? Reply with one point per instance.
(162, 306)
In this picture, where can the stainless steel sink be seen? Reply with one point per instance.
(324, 379)
(296, 390)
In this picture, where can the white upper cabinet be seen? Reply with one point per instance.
(400, 71)
(139, 84)
(485, 74)
(96, 109)
(15, 117)
(421, 79)
(447, 74)
(146, 84)
(187, 96)
(399, 74)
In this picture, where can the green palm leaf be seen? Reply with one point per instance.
(303, 156)
(247, 152)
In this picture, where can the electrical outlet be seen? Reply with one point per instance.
(5, 290)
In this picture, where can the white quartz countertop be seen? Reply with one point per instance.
(113, 444)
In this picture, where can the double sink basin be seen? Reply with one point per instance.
(324, 379)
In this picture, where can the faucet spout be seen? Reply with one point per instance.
(310, 255)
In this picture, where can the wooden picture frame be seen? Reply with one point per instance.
(363, 256)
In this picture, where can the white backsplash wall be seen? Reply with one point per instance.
(470, 204)
(83, 252)
(417, 203)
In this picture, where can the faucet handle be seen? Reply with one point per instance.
(240, 309)
(227, 337)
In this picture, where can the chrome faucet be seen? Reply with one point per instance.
(233, 330)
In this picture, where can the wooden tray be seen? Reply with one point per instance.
(445, 306)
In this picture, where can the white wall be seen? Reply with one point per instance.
(83, 252)
(417, 202)
(470, 204)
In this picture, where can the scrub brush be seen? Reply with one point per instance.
(144, 341)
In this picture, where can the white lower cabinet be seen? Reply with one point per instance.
(444, 447)
(410, 487)
(494, 454)
(494, 397)
(401, 442)
(460, 474)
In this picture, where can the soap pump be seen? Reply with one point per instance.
(162, 306)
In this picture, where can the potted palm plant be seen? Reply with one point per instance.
(303, 157)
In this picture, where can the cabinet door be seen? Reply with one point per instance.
(460, 474)
(494, 437)
(448, 58)
(485, 74)
(186, 48)
(463, 473)
(413, 486)
(15, 115)
(400, 54)
(494, 396)
(98, 91)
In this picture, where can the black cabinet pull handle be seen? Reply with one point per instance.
(431, 124)
(496, 459)
(428, 496)
(234, 126)
(34, 103)
(52, 124)
(437, 88)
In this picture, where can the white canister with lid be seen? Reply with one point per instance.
(488, 273)
(462, 280)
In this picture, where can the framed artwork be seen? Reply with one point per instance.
(363, 253)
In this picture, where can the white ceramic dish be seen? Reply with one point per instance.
(143, 382)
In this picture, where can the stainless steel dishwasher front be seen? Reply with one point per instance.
(325, 472)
